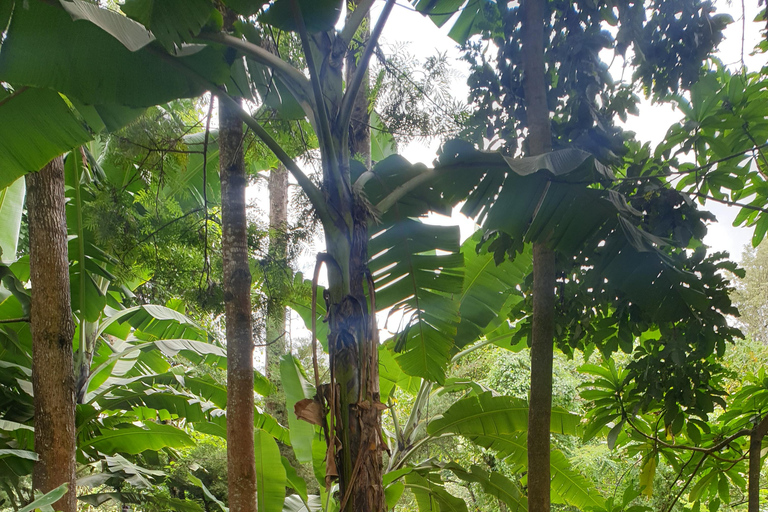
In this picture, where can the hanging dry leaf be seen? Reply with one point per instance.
(309, 411)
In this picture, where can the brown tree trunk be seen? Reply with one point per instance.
(241, 470)
(53, 374)
(542, 335)
(755, 464)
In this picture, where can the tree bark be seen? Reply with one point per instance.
(241, 470)
(542, 332)
(755, 464)
(277, 264)
(52, 326)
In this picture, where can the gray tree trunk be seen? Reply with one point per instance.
(53, 373)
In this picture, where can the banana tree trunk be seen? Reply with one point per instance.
(53, 377)
(542, 335)
(241, 470)
(355, 398)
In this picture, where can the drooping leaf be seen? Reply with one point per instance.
(172, 22)
(45, 501)
(571, 486)
(103, 44)
(493, 420)
(493, 483)
(487, 285)
(297, 388)
(11, 205)
(431, 495)
(270, 473)
(134, 439)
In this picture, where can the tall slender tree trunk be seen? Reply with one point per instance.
(277, 264)
(53, 374)
(539, 141)
(241, 470)
(755, 464)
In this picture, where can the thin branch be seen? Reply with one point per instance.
(688, 482)
(730, 203)
(709, 451)
(14, 320)
(348, 101)
(172, 221)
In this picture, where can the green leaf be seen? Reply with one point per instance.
(431, 496)
(412, 279)
(319, 15)
(294, 481)
(486, 287)
(134, 439)
(571, 486)
(270, 473)
(383, 144)
(22, 454)
(111, 49)
(46, 500)
(208, 494)
(495, 484)
(11, 205)
(297, 388)
(172, 22)
(39, 115)
(493, 421)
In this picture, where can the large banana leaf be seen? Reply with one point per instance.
(270, 473)
(134, 439)
(172, 22)
(489, 291)
(417, 269)
(494, 421)
(494, 484)
(431, 495)
(571, 486)
(113, 51)
(38, 125)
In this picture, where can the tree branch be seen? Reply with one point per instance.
(14, 320)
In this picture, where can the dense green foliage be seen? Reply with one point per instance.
(657, 397)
